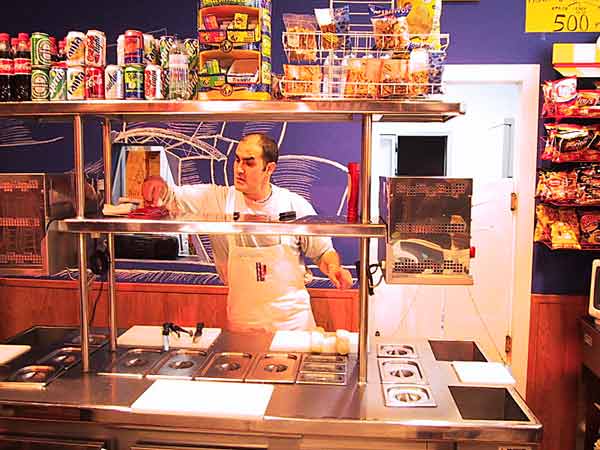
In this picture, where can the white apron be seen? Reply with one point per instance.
(266, 284)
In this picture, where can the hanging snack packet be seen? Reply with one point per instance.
(589, 223)
(301, 39)
(545, 216)
(424, 20)
(334, 25)
(390, 27)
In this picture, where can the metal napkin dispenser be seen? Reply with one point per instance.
(429, 230)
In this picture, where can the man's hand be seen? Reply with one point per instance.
(153, 189)
(340, 277)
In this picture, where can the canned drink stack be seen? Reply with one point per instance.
(41, 51)
(95, 49)
(150, 50)
(192, 49)
(58, 84)
(94, 83)
(134, 47)
(153, 82)
(75, 83)
(134, 82)
(75, 49)
(40, 86)
(113, 83)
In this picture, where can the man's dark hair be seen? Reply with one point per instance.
(269, 146)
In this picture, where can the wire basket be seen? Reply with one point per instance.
(363, 65)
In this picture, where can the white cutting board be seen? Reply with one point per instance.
(205, 398)
(151, 336)
(300, 341)
(474, 372)
(9, 352)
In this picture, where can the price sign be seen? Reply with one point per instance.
(562, 16)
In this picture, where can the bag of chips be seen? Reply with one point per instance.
(301, 80)
(423, 20)
(545, 216)
(363, 77)
(334, 25)
(301, 38)
(390, 27)
(565, 232)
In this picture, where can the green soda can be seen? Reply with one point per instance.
(58, 84)
(40, 86)
(41, 53)
(164, 48)
(192, 49)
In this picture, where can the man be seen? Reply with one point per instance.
(265, 274)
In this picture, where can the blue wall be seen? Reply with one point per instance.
(489, 31)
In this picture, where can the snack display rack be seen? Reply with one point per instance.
(567, 215)
(363, 65)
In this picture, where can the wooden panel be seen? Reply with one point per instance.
(554, 366)
(24, 303)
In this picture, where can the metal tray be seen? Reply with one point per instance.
(338, 379)
(407, 396)
(227, 366)
(400, 370)
(179, 364)
(275, 368)
(396, 351)
(134, 363)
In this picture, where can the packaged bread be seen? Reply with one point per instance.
(301, 80)
(301, 39)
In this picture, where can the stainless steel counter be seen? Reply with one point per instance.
(298, 412)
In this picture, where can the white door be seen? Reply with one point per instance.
(483, 145)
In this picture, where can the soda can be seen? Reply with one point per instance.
(41, 51)
(58, 84)
(134, 47)
(113, 83)
(121, 50)
(192, 50)
(192, 86)
(164, 48)
(95, 49)
(94, 83)
(165, 82)
(153, 82)
(40, 87)
(75, 49)
(75, 83)
(134, 82)
(150, 50)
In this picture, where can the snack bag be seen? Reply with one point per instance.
(563, 235)
(545, 216)
(560, 96)
(301, 80)
(423, 20)
(363, 77)
(394, 78)
(589, 223)
(301, 40)
(390, 27)
(419, 73)
(334, 25)
(588, 185)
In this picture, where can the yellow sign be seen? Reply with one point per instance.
(562, 16)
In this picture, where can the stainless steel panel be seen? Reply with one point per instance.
(341, 359)
(407, 396)
(134, 363)
(397, 370)
(180, 364)
(227, 366)
(295, 228)
(275, 368)
(396, 351)
(276, 111)
(338, 379)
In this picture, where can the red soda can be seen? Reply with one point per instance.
(95, 49)
(94, 83)
(152, 83)
(134, 47)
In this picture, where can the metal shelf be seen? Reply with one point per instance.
(272, 110)
(324, 227)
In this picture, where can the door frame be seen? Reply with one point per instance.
(527, 79)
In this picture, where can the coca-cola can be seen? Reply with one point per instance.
(75, 49)
(134, 47)
(153, 83)
(121, 50)
(95, 49)
(75, 83)
(94, 83)
(114, 87)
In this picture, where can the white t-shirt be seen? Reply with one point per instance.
(208, 202)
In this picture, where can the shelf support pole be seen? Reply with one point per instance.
(80, 211)
(365, 207)
(111, 278)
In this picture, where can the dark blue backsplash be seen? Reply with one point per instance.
(489, 31)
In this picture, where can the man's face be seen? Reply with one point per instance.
(251, 173)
